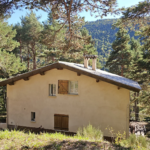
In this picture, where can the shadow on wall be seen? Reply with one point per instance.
(3, 126)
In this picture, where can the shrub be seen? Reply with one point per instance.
(91, 133)
(135, 142)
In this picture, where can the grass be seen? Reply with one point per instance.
(87, 138)
(21, 140)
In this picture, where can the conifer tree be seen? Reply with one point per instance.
(119, 58)
(10, 64)
(6, 36)
(56, 42)
(136, 57)
(32, 31)
(19, 38)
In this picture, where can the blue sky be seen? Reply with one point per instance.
(15, 17)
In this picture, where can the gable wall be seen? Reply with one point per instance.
(101, 104)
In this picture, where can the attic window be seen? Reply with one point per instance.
(32, 116)
(52, 89)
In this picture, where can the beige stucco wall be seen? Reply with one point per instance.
(100, 104)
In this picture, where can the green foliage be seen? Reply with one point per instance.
(90, 132)
(103, 35)
(139, 142)
(10, 64)
(6, 36)
(120, 57)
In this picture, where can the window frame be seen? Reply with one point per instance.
(54, 89)
(74, 90)
(33, 115)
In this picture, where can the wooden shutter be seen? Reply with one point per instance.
(63, 86)
(65, 120)
(57, 122)
(61, 122)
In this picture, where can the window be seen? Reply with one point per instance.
(73, 87)
(32, 116)
(61, 122)
(67, 87)
(52, 89)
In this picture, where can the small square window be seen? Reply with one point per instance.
(52, 89)
(73, 87)
(32, 116)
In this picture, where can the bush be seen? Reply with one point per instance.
(135, 142)
(91, 133)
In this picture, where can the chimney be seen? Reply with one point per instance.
(94, 64)
(86, 58)
(86, 62)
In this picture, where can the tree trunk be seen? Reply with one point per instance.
(122, 68)
(136, 109)
(34, 57)
(28, 63)
(20, 51)
(34, 61)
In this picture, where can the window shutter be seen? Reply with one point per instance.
(63, 86)
(65, 120)
(57, 121)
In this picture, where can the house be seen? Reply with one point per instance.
(65, 96)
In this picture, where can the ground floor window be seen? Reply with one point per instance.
(61, 122)
(32, 116)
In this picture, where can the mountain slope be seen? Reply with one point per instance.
(103, 35)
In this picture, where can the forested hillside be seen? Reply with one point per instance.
(103, 35)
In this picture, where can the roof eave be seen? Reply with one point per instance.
(59, 65)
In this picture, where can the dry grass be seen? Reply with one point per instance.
(88, 138)
(15, 140)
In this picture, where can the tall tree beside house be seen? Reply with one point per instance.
(9, 64)
(56, 49)
(133, 73)
(19, 38)
(143, 69)
(136, 57)
(32, 30)
(119, 58)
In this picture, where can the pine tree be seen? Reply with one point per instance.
(10, 65)
(19, 38)
(6, 36)
(120, 57)
(136, 57)
(56, 40)
(32, 31)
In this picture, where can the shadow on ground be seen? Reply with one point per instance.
(77, 145)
